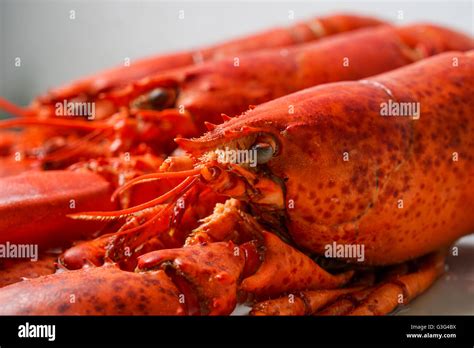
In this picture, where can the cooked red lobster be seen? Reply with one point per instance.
(57, 148)
(184, 102)
(251, 83)
(330, 165)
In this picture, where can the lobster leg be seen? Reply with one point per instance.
(386, 298)
(345, 304)
(309, 302)
(302, 303)
(395, 290)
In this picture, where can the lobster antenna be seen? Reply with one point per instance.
(108, 215)
(155, 176)
(85, 125)
(137, 240)
(14, 109)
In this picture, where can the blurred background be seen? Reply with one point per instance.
(55, 48)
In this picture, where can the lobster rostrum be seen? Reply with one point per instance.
(334, 170)
(185, 102)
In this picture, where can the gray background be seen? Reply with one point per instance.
(55, 49)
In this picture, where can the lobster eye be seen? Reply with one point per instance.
(156, 99)
(264, 152)
(210, 173)
(266, 147)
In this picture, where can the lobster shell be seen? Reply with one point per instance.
(401, 193)
(34, 206)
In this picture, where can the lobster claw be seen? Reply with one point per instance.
(34, 206)
(103, 290)
(13, 271)
(206, 274)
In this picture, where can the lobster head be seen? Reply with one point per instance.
(235, 163)
(265, 157)
(317, 159)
